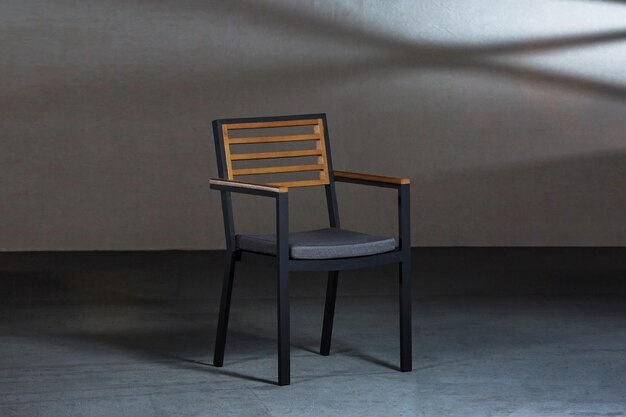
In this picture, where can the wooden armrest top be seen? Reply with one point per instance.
(248, 185)
(369, 177)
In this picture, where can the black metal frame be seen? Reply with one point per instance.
(285, 264)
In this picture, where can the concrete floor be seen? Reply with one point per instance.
(472, 357)
(497, 355)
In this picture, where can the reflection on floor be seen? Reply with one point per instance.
(497, 355)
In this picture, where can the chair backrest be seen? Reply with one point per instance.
(297, 144)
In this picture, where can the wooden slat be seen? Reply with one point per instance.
(271, 139)
(281, 123)
(320, 152)
(251, 185)
(274, 170)
(271, 155)
(303, 183)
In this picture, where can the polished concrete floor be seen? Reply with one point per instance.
(75, 348)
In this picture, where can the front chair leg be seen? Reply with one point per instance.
(284, 368)
(222, 324)
(405, 317)
(329, 312)
(282, 255)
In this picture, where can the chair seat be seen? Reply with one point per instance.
(320, 244)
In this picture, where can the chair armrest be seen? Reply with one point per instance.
(402, 185)
(368, 179)
(246, 187)
(281, 196)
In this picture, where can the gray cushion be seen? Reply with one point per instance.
(320, 244)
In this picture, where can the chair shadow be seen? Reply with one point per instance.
(233, 374)
(175, 347)
(369, 358)
(352, 353)
(184, 348)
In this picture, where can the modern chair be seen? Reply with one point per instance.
(332, 249)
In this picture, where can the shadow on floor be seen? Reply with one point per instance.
(190, 348)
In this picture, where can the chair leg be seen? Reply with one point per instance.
(284, 360)
(405, 317)
(222, 324)
(329, 312)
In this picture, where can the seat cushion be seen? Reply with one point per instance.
(320, 244)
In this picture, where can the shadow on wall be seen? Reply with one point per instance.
(386, 52)
(119, 124)
(383, 52)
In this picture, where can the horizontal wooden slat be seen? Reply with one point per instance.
(273, 170)
(303, 183)
(281, 123)
(250, 185)
(270, 155)
(271, 139)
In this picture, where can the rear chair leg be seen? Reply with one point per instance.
(222, 324)
(284, 360)
(329, 312)
(405, 317)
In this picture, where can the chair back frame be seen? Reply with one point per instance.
(224, 143)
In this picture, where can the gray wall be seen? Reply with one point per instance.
(510, 117)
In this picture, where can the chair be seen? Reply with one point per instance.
(331, 249)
